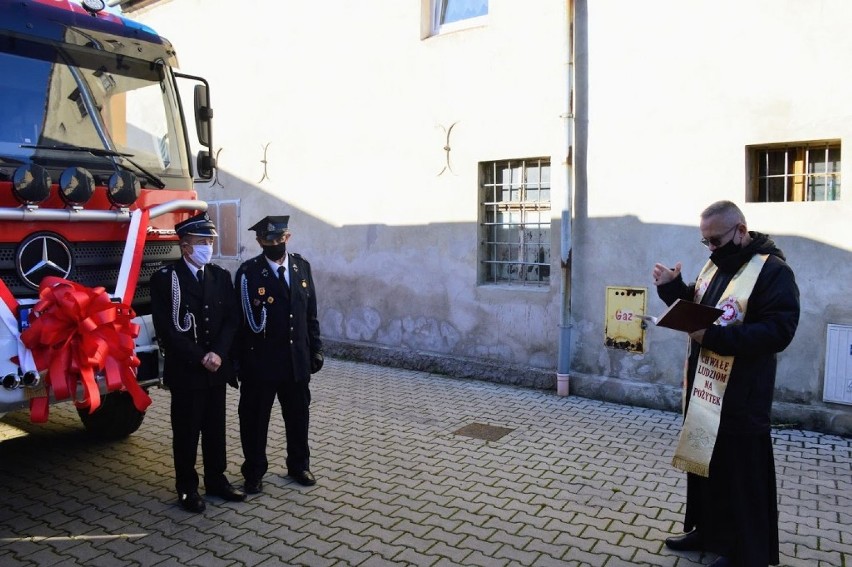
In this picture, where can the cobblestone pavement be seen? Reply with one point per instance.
(575, 482)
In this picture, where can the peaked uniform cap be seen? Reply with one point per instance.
(271, 226)
(199, 225)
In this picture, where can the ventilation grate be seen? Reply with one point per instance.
(483, 431)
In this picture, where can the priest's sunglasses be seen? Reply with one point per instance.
(717, 240)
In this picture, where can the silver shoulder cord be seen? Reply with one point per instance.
(253, 325)
(188, 318)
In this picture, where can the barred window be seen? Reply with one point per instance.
(808, 171)
(515, 222)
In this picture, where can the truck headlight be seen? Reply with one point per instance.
(11, 381)
(31, 184)
(31, 379)
(123, 189)
(76, 186)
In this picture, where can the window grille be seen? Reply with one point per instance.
(515, 222)
(795, 172)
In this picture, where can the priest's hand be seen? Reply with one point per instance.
(663, 274)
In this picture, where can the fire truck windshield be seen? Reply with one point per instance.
(108, 109)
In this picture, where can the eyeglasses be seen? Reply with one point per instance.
(717, 240)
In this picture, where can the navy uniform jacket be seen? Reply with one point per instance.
(283, 349)
(216, 322)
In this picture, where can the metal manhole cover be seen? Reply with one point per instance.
(483, 431)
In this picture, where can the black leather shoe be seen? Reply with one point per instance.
(228, 493)
(253, 486)
(721, 561)
(191, 502)
(686, 542)
(305, 478)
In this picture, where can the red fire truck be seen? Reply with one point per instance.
(95, 170)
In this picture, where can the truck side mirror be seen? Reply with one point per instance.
(203, 115)
(206, 163)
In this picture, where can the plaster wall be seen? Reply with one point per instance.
(671, 106)
(352, 105)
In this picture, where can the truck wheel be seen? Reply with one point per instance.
(116, 418)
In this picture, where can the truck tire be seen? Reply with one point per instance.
(116, 418)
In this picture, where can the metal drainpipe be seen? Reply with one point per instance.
(563, 367)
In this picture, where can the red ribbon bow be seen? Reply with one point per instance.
(75, 332)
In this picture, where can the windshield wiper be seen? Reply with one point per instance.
(102, 152)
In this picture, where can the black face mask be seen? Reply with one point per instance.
(725, 251)
(275, 251)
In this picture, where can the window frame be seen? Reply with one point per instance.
(798, 180)
(438, 28)
(493, 271)
(214, 210)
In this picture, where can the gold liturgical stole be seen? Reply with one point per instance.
(698, 435)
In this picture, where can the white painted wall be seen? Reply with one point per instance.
(352, 101)
(676, 91)
(354, 105)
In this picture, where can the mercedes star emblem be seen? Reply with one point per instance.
(42, 255)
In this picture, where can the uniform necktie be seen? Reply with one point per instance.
(200, 275)
(281, 277)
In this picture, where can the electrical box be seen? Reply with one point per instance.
(837, 386)
(624, 308)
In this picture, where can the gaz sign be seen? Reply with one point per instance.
(624, 308)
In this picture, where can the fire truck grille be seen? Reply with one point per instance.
(96, 264)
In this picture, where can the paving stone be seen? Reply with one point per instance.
(449, 555)
(577, 482)
(444, 536)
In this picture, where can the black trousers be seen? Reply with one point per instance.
(194, 414)
(256, 401)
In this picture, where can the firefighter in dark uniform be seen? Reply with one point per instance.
(195, 317)
(279, 347)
